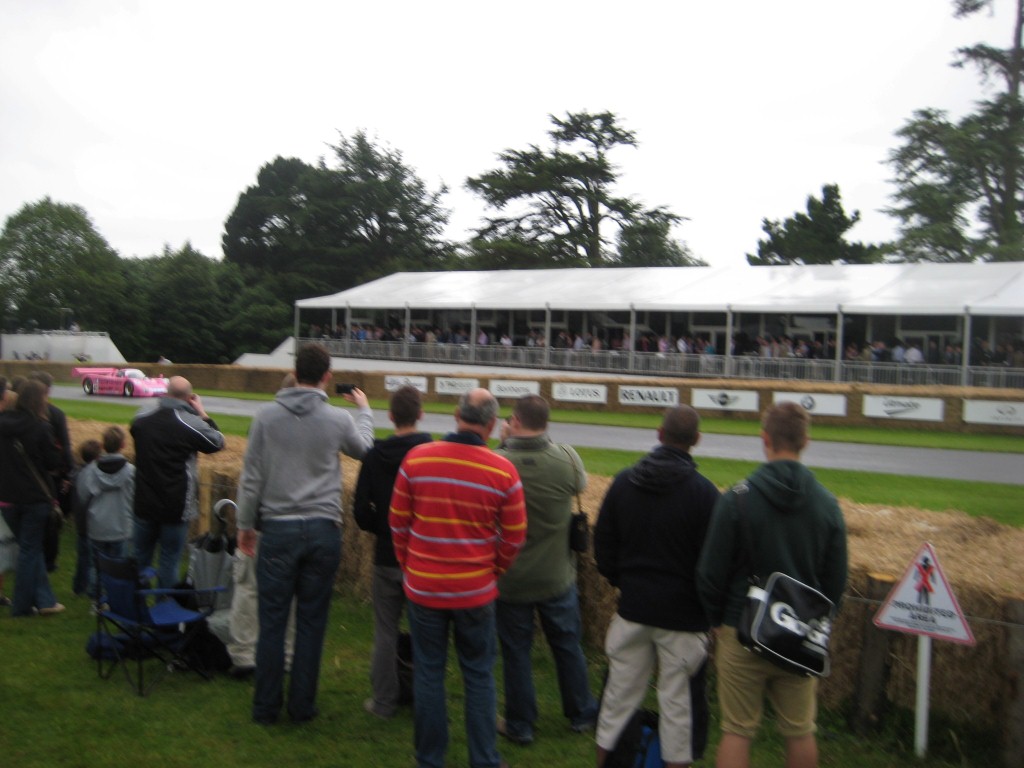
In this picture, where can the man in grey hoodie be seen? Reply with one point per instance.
(291, 488)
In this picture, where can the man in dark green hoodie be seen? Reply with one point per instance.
(797, 529)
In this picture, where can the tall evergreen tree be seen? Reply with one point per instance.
(815, 237)
(556, 204)
(959, 182)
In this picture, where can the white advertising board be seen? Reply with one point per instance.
(900, 407)
(817, 403)
(725, 399)
(503, 388)
(446, 386)
(657, 397)
(994, 412)
(579, 392)
(393, 383)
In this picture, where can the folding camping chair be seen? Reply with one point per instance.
(133, 623)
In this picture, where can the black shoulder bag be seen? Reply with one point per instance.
(784, 620)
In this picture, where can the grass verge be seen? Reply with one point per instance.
(57, 712)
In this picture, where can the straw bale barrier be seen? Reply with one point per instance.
(980, 558)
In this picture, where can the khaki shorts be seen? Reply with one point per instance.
(745, 680)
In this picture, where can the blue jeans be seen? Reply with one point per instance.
(475, 647)
(297, 558)
(171, 538)
(560, 620)
(31, 584)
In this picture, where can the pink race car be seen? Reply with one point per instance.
(129, 382)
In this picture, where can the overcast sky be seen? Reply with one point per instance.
(155, 116)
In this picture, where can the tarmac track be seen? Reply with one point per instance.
(892, 460)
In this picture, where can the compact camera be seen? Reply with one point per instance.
(344, 389)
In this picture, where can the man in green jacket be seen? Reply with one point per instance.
(542, 580)
(797, 528)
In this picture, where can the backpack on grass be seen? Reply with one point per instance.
(638, 745)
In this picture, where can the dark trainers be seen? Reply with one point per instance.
(241, 672)
(585, 727)
(518, 739)
(370, 706)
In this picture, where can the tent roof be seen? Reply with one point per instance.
(904, 289)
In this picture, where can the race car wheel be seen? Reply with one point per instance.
(87, 386)
(128, 390)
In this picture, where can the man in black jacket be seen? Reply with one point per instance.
(167, 440)
(372, 501)
(647, 542)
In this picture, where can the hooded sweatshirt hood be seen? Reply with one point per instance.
(301, 400)
(662, 469)
(785, 485)
(112, 473)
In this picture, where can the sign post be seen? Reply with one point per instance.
(922, 604)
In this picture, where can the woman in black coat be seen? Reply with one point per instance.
(28, 453)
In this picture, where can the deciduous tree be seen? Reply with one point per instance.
(55, 266)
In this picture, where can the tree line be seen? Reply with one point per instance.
(309, 229)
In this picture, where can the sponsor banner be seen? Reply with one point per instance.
(725, 399)
(580, 392)
(899, 407)
(994, 412)
(659, 397)
(445, 386)
(503, 388)
(392, 383)
(818, 403)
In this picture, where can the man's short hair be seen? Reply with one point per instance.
(406, 404)
(787, 425)
(113, 439)
(680, 426)
(532, 412)
(482, 413)
(312, 361)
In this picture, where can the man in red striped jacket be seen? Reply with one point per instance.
(458, 520)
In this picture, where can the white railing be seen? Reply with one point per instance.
(679, 365)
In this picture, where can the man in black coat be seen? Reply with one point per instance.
(372, 501)
(167, 440)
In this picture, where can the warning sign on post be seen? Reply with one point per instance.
(922, 603)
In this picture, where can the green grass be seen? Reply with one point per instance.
(1001, 502)
(57, 712)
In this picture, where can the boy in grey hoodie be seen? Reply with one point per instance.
(106, 491)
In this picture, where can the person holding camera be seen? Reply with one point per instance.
(168, 439)
(291, 485)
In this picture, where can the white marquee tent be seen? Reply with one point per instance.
(995, 289)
